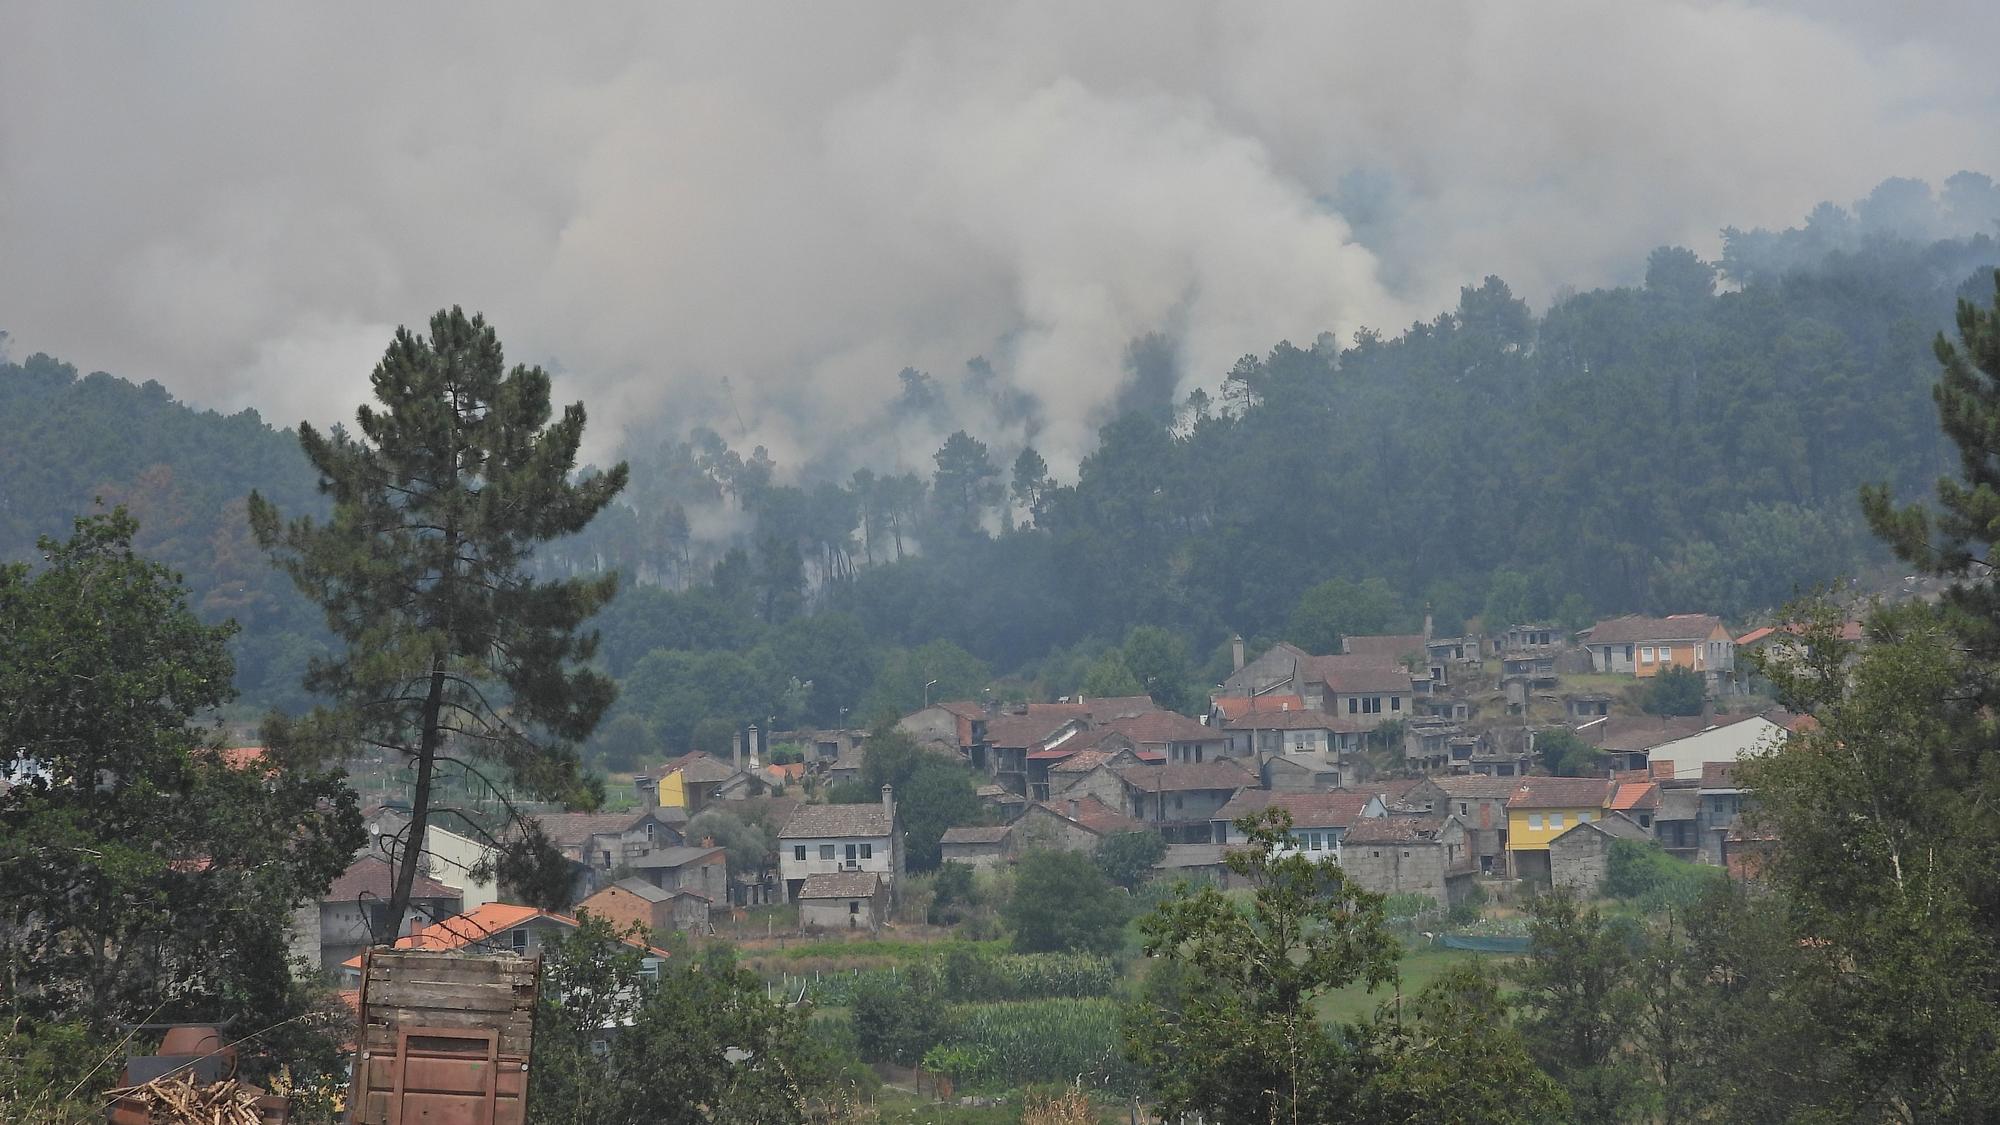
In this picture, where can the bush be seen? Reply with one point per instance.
(1676, 691)
(897, 1021)
(1641, 871)
(1409, 906)
(1063, 902)
(1465, 911)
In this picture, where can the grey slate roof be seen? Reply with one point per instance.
(840, 884)
(644, 890)
(836, 820)
(671, 857)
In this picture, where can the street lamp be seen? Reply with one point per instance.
(928, 685)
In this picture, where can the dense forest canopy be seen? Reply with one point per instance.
(1691, 442)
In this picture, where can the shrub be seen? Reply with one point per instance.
(896, 1022)
(1639, 870)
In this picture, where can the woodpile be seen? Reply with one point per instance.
(171, 1100)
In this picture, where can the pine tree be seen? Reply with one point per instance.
(453, 651)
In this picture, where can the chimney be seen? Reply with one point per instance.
(1236, 651)
(889, 804)
(1075, 809)
(755, 745)
(1427, 624)
(736, 750)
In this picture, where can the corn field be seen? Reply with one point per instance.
(995, 1046)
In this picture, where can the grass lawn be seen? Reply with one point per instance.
(1419, 968)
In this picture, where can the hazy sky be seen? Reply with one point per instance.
(243, 201)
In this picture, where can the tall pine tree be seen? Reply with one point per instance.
(453, 651)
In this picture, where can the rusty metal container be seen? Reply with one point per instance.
(444, 1039)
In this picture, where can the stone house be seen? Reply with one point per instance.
(1179, 738)
(1074, 824)
(1630, 739)
(1366, 695)
(1303, 772)
(1264, 733)
(1722, 802)
(352, 913)
(829, 838)
(1095, 773)
(1424, 854)
(843, 900)
(1319, 820)
(1580, 857)
(631, 902)
(1677, 820)
(1014, 739)
(692, 782)
(956, 727)
(1179, 800)
(1480, 805)
(975, 846)
(700, 870)
(600, 843)
(1275, 670)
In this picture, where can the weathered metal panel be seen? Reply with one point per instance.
(445, 1038)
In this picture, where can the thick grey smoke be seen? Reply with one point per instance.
(243, 201)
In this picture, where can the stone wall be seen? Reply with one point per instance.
(1415, 867)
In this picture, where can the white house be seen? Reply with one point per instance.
(819, 839)
(1732, 742)
(448, 857)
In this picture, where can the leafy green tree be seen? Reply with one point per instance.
(1031, 482)
(933, 793)
(899, 685)
(702, 1044)
(452, 649)
(1564, 754)
(966, 484)
(1062, 902)
(1676, 691)
(1160, 660)
(748, 845)
(1127, 858)
(1108, 676)
(1241, 982)
(144, 876)
(898, 1021)
(624, 743)
(1339, 608)
(1576, 1005)
(1454, 1058)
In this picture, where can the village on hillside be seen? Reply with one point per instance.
(1420, 764)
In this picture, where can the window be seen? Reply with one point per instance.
(1628, 652)
(520, 940)
(799, 852)
(853, 852)
(1353, 705)
(1177, 802)
(1666, 653)
(607, 856)
(1313, 840)
(826, 851)
(1406, 855)
(649, 831)
(867, 851)
(1395, 703)
(1555, 820)
(1645, 654)
(1583, 818)
(1464, 809)
(1377, 855)
(1197, 753)
(1645, 820)
(1534, 820)
(853, 907)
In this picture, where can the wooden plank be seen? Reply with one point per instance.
(375, 1110)
(515, 1041)
(495, 997)
(468, 970)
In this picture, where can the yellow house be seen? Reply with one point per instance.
(1646, 646)
(1543, 808)
(689, 782)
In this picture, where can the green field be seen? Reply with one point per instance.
(1419, 968)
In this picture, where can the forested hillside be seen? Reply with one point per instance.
(1692, 443)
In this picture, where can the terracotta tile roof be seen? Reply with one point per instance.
(639, 887)
(1849, 631)
(1477, 786)
(1293, 720)
(484, 924)
(699, 767)
(869, 819)
(840, 884)
(1632, 796)
(1238, 706)
(1392, 645)
(1718, 775)
(1092, 814)
(1419, 829)
(1378, 677)
(1561, 793)
(1634, 628)
(1164, 726)
(1182, 777)
(1083, 761)
(964, 709)
(373, 878)
(241, 757)
(975, 834)
(1018, 732)
(1336, 809)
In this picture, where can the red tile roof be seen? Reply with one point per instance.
(1477, 786)
(1674, 627)
(371, 877)
(484, 924)
(1561, 793)
(1238, 706)
(1849, 631)
(1631, 796)
(1335, 809)
(1293, 720)
(1183, 777)
(1018, 732)
(1418, 829)
(1091, 814)
(1164, 726)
